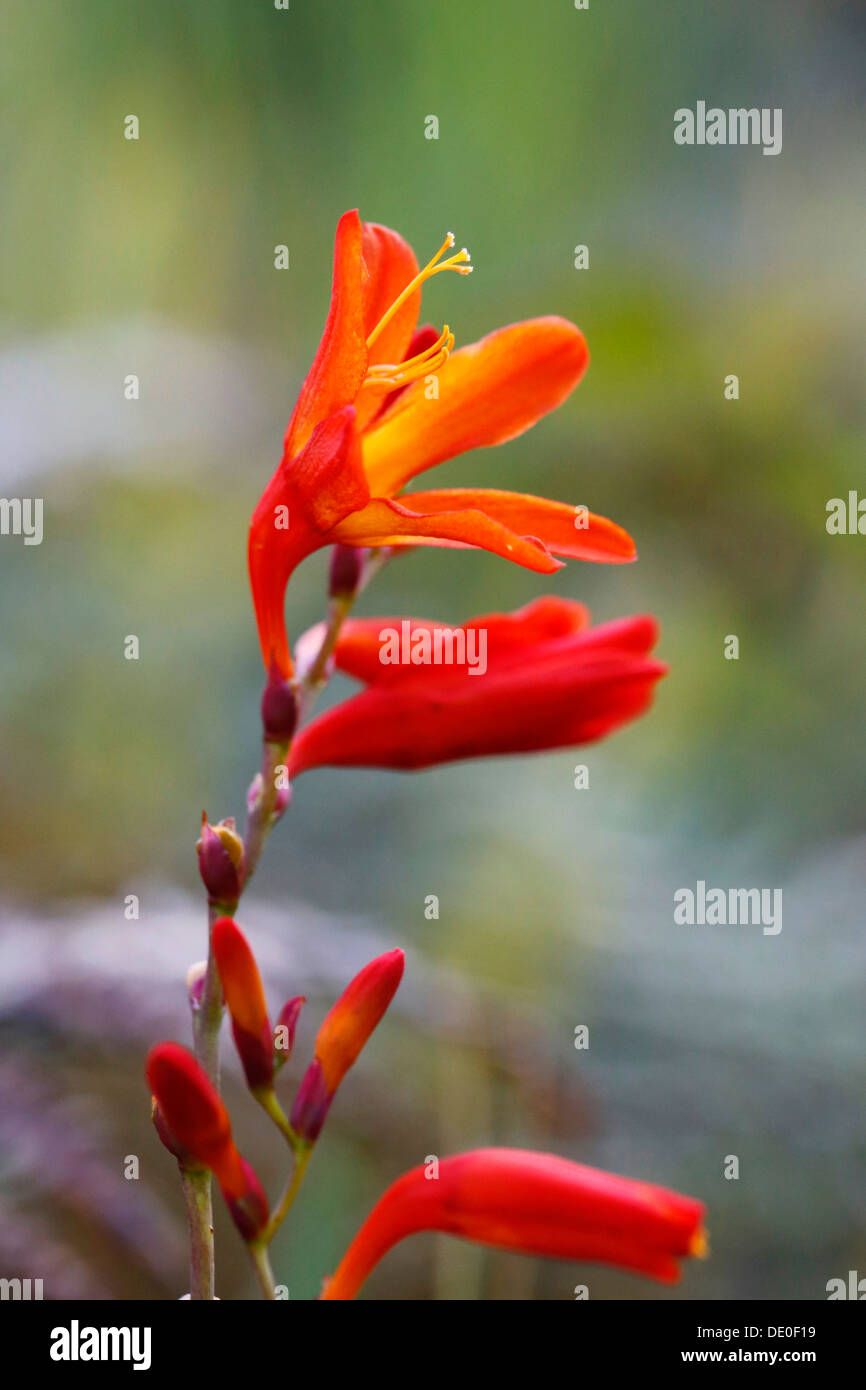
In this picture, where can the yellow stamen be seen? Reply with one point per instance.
(459, 262)
(389, 375)
(699, 1245)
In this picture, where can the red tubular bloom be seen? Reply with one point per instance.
(245, 1000)
(366, 423)
(341, 1037)
(550, 681)
(196, 1120)
(534, 1203)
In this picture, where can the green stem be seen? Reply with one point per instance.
(271, 1106)
(303, 1154)
(262, 1267)
(197, 1195)
(198, 1186)
(261, 817)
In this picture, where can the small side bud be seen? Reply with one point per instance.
(195, 977)
(284, 1030)
(221, 861)
(347, 566)
(279, 708)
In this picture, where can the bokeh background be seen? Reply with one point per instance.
(259, 127)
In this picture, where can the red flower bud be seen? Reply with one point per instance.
(221, 861)
(245, 999)
(199, 1127)
(341, 1037)
(534, 1203)
(279, 707)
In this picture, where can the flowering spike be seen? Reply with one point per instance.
(198, 1126)
(221, 861)
(535, 1203)
(341, 1037)
(245, 999)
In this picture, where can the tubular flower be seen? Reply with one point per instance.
(519, 682)
(534, 1203)
(193, 1116)
(245, 1000)
(367, 421)
(341, 1037)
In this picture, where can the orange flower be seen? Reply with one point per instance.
(367, 421)
(534, 1203)
(245, 999)
(341, 1037)
(548, 680)
(194, 1124)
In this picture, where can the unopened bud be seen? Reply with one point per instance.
(221, 861)
(195, 982)
(284, 1030)
(279, 708)
(183, 1156)
(347, 566)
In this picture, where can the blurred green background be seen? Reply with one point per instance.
(259, 127)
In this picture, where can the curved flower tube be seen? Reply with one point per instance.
(368, 420)
(534, 1203)
(542, 678)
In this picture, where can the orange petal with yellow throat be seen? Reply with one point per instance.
(488, 392)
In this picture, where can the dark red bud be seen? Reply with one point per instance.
(221, 861)
(279, 708)
(347, 566)
(284, 1029)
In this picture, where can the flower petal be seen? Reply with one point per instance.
(306, 496)
(383, 522)
(390, 265)
(360, 643)
(517, 697)
(340, 363)
(489, 392)
(562, 529)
